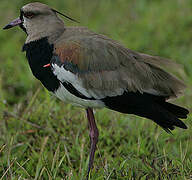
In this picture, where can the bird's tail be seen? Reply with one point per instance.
(164, 114)
(153, 107)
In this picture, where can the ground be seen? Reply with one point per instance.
(43, 138)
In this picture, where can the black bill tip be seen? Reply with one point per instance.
(8, 26)
(14, 23)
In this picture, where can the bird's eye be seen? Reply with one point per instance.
(29, 15)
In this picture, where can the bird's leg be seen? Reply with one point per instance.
(93, 134)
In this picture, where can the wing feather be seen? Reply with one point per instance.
(106, 68)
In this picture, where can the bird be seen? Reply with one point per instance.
(91, 70)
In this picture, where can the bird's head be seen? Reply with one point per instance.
(38, 20)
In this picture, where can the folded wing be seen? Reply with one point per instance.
(105, 68)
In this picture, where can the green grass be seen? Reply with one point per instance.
(43, 138)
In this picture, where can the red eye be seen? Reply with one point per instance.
(29, 15)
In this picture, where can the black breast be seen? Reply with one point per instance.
(39, 53)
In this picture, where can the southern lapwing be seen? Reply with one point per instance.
(93, 71)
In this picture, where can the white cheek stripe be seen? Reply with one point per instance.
(24, 22)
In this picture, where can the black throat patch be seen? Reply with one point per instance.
(39, 53)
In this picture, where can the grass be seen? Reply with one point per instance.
(43, 138)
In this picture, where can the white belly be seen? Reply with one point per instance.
(67, 97)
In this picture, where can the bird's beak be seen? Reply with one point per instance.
(14, 23)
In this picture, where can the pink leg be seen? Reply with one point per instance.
(93, 134)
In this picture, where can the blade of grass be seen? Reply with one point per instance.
(39, 164)
(8, 169)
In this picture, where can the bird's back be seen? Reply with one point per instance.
(114, 65)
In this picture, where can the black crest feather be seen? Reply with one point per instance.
(65, 15)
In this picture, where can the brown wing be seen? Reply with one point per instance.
(106, 68)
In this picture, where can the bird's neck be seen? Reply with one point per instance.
(51, 36)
